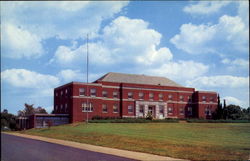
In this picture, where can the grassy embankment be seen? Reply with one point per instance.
(195, 141)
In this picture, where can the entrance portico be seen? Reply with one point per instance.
(157, 109)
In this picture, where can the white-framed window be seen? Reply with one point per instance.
(141, 95)
(181, 98)
(161, 109)
(115, 108)
(130, 95)
(81, 91)
(170, 110)
(104, 108)
(160, 96)
(93, 92)
(130, 109)
(208, 111)
(104, 94)
(204, 98)
(115, 94)
(66, 91)
(151, 96)
(181, 110)
(141, 108)
(190, 110)
(170, 96)
(88, 108)
(66, 107)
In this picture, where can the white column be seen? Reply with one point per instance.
(157, 111)
(145, 110)
(136, 109)
(166, 110)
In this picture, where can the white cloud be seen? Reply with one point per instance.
(221, 81)
(122, 40)
(34, 22)
(233, 100)
(69, 75)
(18, 42)
(230, 33)
(205, 7)
(28, 79)
(237, 62)
(180, 70)
(193, 39)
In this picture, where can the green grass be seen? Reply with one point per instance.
(195, 141)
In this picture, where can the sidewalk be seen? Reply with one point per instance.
(112, 151)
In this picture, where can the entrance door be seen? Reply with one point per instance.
(151, 110)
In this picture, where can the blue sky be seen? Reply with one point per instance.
(201, 44)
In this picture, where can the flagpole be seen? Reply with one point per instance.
(88, 107)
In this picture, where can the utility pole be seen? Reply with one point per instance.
(88, 107)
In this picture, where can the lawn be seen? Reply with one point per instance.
(195, 141)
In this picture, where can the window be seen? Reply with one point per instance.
(160, 96)
(181, 98)
(56, 108)
(189, 98)
(151, 96)
(170, 110)
(181, 111)
(211, 99)
(161, 109)
(170, 97)
(56, 94)
(104, 94)
(104, 108)
(61, 93)
(61, 107)
(130, 95)
(115, 108)
(130, 109)
(86, 108)
(66, 91)
(81, 91)
(115, 94)
(190, 110)
(204, 98)
(208, 111)
(93, 92)
(66, 107)
(141, 95)
(141, 108)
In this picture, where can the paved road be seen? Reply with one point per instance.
(14, 148)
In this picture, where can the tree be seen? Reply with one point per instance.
(8, 120)
(30, 110)
(219, 111)
(232, 112)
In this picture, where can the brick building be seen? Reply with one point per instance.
(129, 95)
